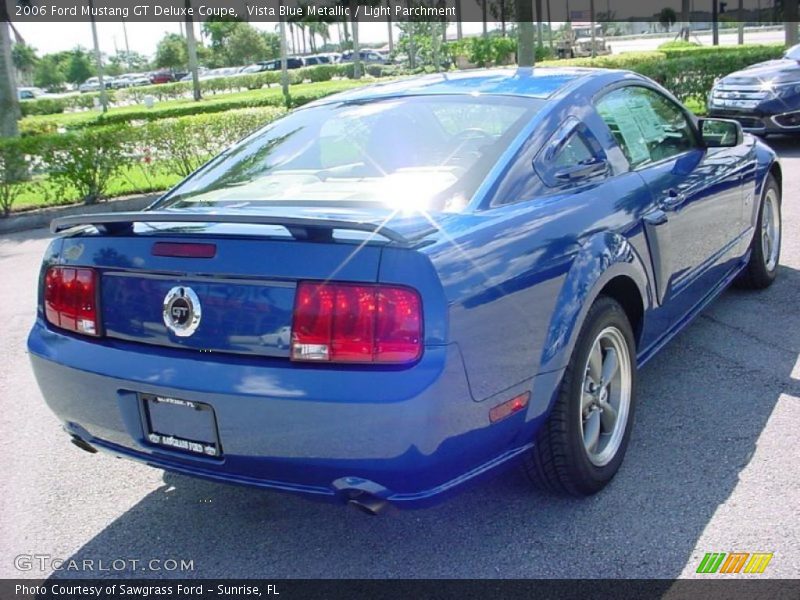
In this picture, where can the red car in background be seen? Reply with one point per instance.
(163, 77)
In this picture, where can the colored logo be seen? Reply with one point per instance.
(734, 562)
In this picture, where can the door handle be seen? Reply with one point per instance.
(672, 199)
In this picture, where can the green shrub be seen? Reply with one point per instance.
(484, 52)
(320, 72)
(185, 143)
(52, 106)
(13, 170)
(755, 52)
(83, 161)
(677, 45)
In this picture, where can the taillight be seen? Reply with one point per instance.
(355, 323)
(70, 299)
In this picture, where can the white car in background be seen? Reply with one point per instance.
(93, 84)
(215, 73)
(131, 80)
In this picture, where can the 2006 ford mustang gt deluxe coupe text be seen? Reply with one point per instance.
(396, 290)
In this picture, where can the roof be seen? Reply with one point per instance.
(537, 82)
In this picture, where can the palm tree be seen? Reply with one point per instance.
(320, 28)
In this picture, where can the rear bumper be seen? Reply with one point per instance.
(406, 435)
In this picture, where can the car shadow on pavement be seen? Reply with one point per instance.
(703, 404)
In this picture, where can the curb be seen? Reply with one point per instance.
(39, 218)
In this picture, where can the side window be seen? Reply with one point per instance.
(571, 156)
(574, 152)
(648, 126)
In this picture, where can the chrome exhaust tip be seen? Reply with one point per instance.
(83, 445)
(368, 504)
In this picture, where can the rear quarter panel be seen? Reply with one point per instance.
(519, 280)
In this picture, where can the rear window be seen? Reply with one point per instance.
(420, 152)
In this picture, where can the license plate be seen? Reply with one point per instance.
(183, 425)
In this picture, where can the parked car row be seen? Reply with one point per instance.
(293, 62)
(130, 80)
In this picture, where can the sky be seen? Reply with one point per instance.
(49, 37)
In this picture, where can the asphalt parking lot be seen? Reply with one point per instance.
(713, 466)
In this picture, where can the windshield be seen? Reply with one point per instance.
(421, 152)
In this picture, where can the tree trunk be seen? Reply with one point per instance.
(346, 32)
(191, 51)
(715, 22)
(99, 63)
(790, 21)
(525, 51)
(389, 26)
(459, 33)
(685, 8)
(9, 103)
(284, 68)
(539, 33)
(356, 47)
(412, 49)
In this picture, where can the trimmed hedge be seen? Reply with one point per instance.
(259, 98)
(51, 106)
(79, 165)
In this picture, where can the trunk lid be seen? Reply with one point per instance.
(245, 288)
(246, 291)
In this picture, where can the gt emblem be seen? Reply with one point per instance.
(182, 311)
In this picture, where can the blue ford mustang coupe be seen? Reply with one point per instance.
(397, 290)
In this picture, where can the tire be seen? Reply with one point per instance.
(762, 268)
(560, 460)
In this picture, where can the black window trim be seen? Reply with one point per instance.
(690, 118)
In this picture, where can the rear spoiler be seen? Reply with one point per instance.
(300, 228)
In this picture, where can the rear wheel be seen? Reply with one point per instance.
(765, 249)
(581, 446)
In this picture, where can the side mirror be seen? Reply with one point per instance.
(721, 133)
(587, 169)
